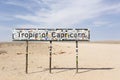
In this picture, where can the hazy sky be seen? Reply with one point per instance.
(102, 17)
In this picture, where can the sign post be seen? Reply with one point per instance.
(50, 57)
(26, 57)
(76, 56)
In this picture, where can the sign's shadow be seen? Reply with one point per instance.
(80, 70)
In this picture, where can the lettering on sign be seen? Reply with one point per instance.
(50, 34)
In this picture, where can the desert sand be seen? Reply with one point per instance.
(97, 61)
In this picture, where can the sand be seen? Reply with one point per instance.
(97, 61)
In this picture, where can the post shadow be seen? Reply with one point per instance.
(86, 69)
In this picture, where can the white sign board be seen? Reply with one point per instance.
(38, 34)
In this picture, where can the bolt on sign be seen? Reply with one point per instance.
(38, 34)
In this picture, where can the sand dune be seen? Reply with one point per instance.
(97, 61)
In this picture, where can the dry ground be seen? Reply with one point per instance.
(97, 61)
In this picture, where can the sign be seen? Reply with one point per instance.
(38, 34)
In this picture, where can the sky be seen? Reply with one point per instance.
(102, 17)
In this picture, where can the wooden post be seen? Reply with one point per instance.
(76, 56)
(26, 70)
(50, 57)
